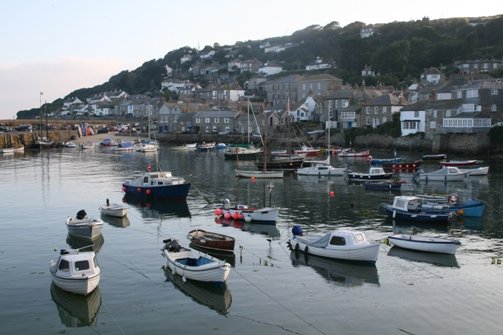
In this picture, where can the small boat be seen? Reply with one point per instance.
(211, 241)
(341, 244)
(75, 271)
(449, 173)
(471, 162)
(7, 151)
(114, 209)
(409, 208)
(87, 145)
(194, 265)
(84, 226)
(108, 142)
(157, 185)
(321, 170)
(76, 310)
(125, 146)
(242, 152)
(476, 171)
(248, 214)
(307, 151)
(70, 145)
(453, 203)
(431, 157)
(256, 174)
(353, 153)
(383, 185)
(425, 243)
(206, 146)
(191, 146)
(382, 161)
(375, 173)
(18, 149)
(147, 145)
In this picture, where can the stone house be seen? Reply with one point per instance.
(214, 122)
(381, 109)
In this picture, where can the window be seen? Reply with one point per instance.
(416, 114)
(472, 93)
(81, 265)
(216, 120)
(226, 120)
(64, 265)
(337, 240)
(494, 108)
(206, 120)
(198, 120)
(494, 91)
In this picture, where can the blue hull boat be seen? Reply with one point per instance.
(157, 185)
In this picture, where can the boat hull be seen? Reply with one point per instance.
(259, 174)
(115, 210)
(366, 253)
(321, 171)
(211, 241)
(172, 192)
(263, 215)
(424, 243)
(398, 214)
(87, 228)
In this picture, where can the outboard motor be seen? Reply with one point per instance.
(81, 214)
(297, 230)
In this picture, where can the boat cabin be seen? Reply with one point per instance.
(347, 238)
(376, 170)
(407, 203)
(77, 264)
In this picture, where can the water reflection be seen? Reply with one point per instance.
(339, 272)
(76, 310)
(85, 244)
(216, 297)
(122, 222)
(424, 257)
(255, 228)
(159, 209)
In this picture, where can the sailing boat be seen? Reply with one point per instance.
(322, 167)
(148, 145)
(260, 173)
(243, 151)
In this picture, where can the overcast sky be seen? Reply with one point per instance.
(57, 46)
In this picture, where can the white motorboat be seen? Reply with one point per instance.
(259, 174)
(84, 226)
(75, 271)
(338, 244)
(194, 265)
(425, 243)
(476, 171)
(375, 173)
(114, 209)
(322, 170)
(447, 173)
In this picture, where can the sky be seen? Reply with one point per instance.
(57, 46)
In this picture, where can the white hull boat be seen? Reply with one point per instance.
(259, 174)
(76, 272)
(476, 171)
(425, 243)
(321, 170)
(248, 214)
(84, 226)
(194, 265)
(449, 173)
(114, 209)
(339, 244)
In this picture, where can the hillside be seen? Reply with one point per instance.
(398, 52)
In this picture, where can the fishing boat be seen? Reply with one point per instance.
(459, 163)
(453, 203)
(259, 174)
(194, 265)
(348, 152)
(476, 171)
(430, 157)
(425, 243)
(321, 170)
(84, 226)
(147, 145)
(340, 244)
(114, 209)
(211, 241)
(157, 185)
(375, 173)
(449, 173)
(409, 208)
(75, 271)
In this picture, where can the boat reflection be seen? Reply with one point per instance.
(216, 297)
(424, 257)
(339, 272)
(255, 228)
(76, 310)
(122, 222)
(85, 244)
(159, 209)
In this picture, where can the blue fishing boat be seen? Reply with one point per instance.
(453, 203)
(157, 185)
(410, 208)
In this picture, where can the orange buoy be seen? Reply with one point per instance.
(218, 212)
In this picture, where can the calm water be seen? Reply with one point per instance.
(269, 291)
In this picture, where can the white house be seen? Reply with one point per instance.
(270, 68)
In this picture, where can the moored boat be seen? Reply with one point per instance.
(430, 157)
(259, 174)
(248, 214)
(76, 272)
(114, 209)
(321, 170)
(425, 243)
(157, 185)
(352, 153)
(449, 173)
(409, 208)
(476, 171)
(458, 163)
(341, 244)
(211, 241)
(194, 265)
(84, 226)
(388, 185)
(375, 173)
